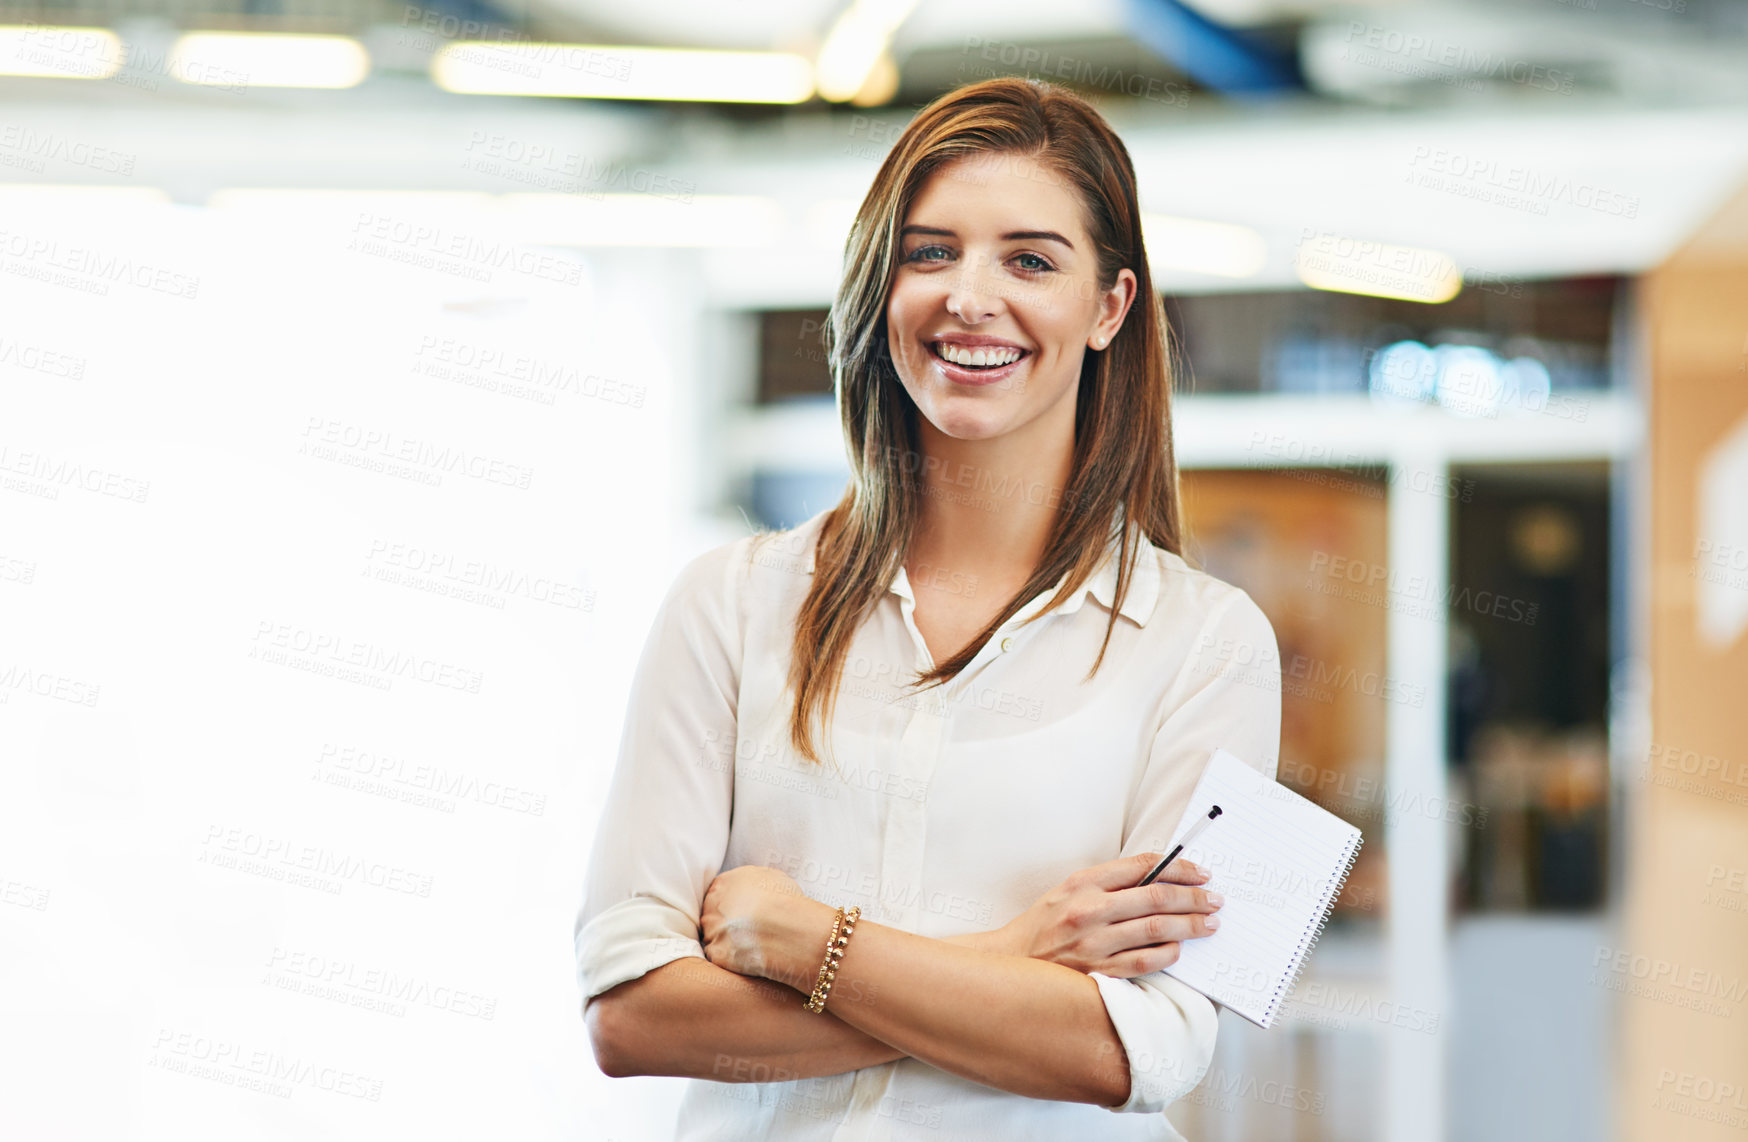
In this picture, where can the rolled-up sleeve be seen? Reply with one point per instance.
(1227, 695)
(663, 831)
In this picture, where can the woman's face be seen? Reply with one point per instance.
(994, 259)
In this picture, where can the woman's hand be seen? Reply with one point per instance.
(1096, 920)
(740, 909)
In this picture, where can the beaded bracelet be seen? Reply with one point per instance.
(842, 927)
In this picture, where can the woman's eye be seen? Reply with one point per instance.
(1031, 263)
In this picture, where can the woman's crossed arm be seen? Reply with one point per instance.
(695, 1019)
(1012, 1009)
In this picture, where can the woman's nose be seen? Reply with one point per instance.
(971, 297)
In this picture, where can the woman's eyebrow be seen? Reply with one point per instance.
(1010, 236)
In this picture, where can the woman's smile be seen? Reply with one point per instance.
(966, 360)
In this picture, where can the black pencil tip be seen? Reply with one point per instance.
(1216, 812)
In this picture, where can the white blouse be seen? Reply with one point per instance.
(950, 812)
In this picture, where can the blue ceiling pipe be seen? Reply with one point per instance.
(1215, 56)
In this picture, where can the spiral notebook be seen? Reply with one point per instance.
(1280, 861)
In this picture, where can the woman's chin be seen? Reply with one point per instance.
(970, 424)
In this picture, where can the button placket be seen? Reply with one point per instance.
(907, 612)
(918, 756)
(901, 856)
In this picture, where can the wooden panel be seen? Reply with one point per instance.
(1296, 540)
(792, 355)
(1683, 955)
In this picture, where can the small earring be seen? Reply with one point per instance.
(1101, 342)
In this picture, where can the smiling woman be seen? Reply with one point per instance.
(952, 278)
(1006, 216)
(995, 796)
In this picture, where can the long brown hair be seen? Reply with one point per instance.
(1122, 420)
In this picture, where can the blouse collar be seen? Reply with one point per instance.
(1138, 604)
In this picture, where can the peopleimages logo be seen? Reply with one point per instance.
(1482, 177)
(1377, 584)
(1356, 793)
(1261, 666)
(377, 988)
(39, 147)
(327, 438)
(328, 652)
(259, 1069)
(1428, 56)
(57, 473)
(86, 269)
(418, 782)
(1666, 981)
(279, 858)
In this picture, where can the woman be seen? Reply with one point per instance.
(1005, 756)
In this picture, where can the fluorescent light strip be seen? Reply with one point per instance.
(41, 50)
(600, 71)
(536, 219)
(1377, 269)
(1218, 248)
(268, 59)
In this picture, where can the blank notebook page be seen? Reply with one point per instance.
(1280, 862)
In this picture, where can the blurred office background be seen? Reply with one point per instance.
(368, 369)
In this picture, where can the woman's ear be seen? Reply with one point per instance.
(1114, 306)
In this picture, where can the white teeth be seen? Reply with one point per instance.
(976, 358)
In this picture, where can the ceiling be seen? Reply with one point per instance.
(1525, 140)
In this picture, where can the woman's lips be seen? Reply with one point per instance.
(961, 375)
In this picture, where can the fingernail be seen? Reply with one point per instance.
(1214, 898)
(1210, 923)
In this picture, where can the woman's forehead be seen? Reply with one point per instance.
(994, 193)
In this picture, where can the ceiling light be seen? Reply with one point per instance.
(268, 59)
(597, 71)
(1218, 248)
(857, 43)
(59, 53)
(1376, 269)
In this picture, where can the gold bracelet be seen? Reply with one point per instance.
(842, 928)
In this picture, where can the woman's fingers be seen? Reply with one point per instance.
(1156, 897)
(1151, 943)
(1145, 931)
(1126, 872)
(1103, 919)
(1141, 961)
(1179, 871)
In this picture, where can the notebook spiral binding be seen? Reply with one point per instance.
(1303, 951)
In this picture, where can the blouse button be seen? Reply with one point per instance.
(1005, 642)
